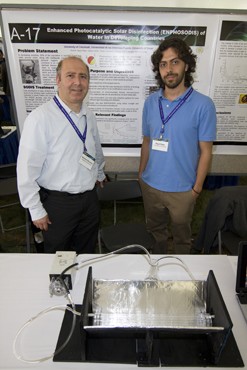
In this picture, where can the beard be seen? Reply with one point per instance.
(175, 82)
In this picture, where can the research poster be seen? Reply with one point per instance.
(229, 81)
(118, 52)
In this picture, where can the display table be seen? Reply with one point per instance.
(24, 284)
(9, 145)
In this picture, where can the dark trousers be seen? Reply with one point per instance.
(74, 221)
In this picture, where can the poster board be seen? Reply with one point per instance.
(117, 47)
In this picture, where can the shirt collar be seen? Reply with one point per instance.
(177, 99)
(83, 111)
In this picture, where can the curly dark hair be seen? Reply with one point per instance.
(184, 53)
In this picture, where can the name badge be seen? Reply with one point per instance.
(161, 145)
(87, 160)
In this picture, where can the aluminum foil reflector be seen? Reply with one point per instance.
(150, 304)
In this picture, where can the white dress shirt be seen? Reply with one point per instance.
(49, 154)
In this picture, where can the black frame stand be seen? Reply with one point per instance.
(145, 347)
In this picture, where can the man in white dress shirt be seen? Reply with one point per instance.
(59, 163)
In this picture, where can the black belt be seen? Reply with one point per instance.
(63, 194)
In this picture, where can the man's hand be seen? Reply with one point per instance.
(42, 223)
(101, 183)
(194, 194)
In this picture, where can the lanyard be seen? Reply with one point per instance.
(165, 120)
(81, 136)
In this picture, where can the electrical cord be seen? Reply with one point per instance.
(67, 268)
